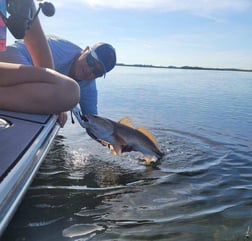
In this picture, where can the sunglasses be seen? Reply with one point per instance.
(91, 61)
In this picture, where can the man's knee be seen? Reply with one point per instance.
(73, 94)
(65, 92)
(68, 94)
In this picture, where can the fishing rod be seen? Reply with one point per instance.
(22, 14)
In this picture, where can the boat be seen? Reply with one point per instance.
(25, 140)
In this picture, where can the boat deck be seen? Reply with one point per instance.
(23, 145)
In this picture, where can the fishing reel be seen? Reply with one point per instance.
(22, 14)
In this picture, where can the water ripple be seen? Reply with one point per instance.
(78, 188)
(87, 230)
(44, 223)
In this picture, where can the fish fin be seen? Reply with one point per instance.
(127, 122)
(104, 143)
(116, 145)
(149, 135)
(116, 149)
(111, 148)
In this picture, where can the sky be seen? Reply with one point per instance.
(206, 33)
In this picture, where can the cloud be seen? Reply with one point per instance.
(166, 5)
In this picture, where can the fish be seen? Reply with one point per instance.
(122, 137)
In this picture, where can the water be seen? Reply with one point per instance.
(202, 190)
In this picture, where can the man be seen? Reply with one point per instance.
(83, 65)
(37, 88)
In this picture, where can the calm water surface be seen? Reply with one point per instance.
(202, 190)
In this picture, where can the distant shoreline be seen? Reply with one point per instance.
(183, 67)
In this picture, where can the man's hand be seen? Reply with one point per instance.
(62, 118)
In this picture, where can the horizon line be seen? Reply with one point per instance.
(183, 67)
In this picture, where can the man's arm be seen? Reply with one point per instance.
(88, 97)
(37, 45)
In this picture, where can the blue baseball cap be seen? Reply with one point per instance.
(105, 54)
